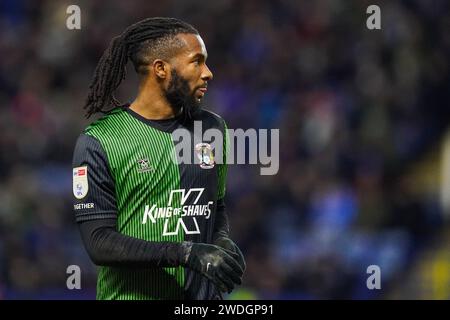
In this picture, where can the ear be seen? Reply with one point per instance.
(161, 68)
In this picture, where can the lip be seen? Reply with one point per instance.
(201, 92)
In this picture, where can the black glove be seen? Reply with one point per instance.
(214, 263)
(232, 249)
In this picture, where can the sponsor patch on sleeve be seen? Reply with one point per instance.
(80, 182)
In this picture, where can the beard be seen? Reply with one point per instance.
(180, 97)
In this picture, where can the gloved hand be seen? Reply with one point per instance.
(214, 263)
(232, 249)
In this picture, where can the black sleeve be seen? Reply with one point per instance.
(221, 224)
(96, 215)
(107, 247)
(93, 185)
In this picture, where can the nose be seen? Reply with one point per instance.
(207, 74)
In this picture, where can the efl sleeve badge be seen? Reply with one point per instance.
(80, 182)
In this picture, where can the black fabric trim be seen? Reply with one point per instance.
(166, 125)
(89, 216)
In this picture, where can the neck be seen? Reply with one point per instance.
(151, 104)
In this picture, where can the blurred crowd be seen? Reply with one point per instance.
(356, 110)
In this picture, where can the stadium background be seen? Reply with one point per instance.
(362, 115)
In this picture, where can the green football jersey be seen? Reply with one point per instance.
(127, 168)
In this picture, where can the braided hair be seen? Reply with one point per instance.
(141, 42)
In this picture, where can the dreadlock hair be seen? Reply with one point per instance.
(141, 42)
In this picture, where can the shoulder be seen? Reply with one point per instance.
(87, 150)
(211, 120)
(91, 139)
(107, 124)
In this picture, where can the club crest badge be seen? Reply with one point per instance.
(205, 155)
(80, 182)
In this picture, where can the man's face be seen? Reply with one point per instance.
(189, 75)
